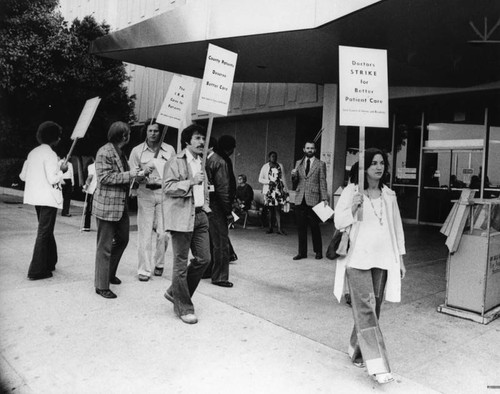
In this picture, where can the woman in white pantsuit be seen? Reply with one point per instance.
(374, 264)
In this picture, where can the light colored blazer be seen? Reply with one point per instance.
(264, 177)
(312, 186)
(178, 199)
(344, 218)
(113, 180)
(42, 176)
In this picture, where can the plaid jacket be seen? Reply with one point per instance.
(312, 187)
(113, 180)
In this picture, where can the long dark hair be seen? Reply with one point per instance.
(370, 153)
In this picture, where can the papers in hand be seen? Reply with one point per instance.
(323, 212)
(236, 217)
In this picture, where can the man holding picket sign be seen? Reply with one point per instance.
(152, 238)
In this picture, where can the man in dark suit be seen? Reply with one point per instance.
(225, 148)
(218, 175)
(309, 175)
(110, 207)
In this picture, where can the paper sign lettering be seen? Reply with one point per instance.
(363, 90)
(179, 96)
(217, 80)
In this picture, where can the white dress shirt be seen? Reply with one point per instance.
(143, 154)
(311, 160)
(195, 165)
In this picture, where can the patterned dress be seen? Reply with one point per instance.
(276, 195)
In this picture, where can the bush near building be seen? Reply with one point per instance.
(47, 73)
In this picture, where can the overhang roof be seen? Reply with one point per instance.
(428, 41)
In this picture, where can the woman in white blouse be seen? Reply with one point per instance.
(374, 265)
(42, 174)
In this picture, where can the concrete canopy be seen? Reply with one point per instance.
(429, 42)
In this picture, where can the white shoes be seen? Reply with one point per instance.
(383, 378)
(190, 318)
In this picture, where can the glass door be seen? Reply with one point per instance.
(445, 173)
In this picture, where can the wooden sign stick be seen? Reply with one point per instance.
(361, 173)
(207, 141)
(68, 156)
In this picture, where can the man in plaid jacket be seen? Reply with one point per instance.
(309, 175)
(110, 207)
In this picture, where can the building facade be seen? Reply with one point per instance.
(439, 139)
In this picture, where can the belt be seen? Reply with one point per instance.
(198, 210)
(153, 186)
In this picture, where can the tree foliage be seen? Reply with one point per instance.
(47, 73)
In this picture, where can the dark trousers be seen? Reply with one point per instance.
(185, 278)
(112, 239)
(367, 343)
(45, 251)
(219, 240)
(67, 190)
(88, 210)
(305, 216)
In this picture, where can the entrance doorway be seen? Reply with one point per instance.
(446, 172)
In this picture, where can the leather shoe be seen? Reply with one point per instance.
(42, 276)
(143, 278)
(223, 283)
(158, 271)
(190, 318)
(105, 293)
(169, 297)
(299, 256)
(319, 256)
(68, 215)
(115, 281)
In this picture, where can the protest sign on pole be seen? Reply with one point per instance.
(217, 81)
(83, 122)
(364, 89)
(363, 95)
(85, 118)
(216, 86)
(174, 107)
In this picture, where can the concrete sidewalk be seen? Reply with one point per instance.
(279, 330)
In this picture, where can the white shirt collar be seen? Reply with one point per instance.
(145, 146)
(190, 157)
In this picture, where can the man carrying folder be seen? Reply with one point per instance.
(309, 175)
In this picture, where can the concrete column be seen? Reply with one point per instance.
(333, 141)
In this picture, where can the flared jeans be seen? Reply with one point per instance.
(44, 257)
(367, 343)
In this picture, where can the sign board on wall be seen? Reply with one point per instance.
(364, 90)
(174, 107)
(217, 80)
(406, 173)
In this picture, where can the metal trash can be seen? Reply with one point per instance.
(473, 271)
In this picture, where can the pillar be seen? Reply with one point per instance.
(333, 141)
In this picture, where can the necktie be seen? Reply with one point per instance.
(308, 166)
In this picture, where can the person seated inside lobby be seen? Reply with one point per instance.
(244, 195)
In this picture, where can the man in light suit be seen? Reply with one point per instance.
(152, 240)
(309, 175)
(110, 207)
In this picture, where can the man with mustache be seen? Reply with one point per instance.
(185, 210)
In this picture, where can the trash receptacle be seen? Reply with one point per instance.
(473, 270)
